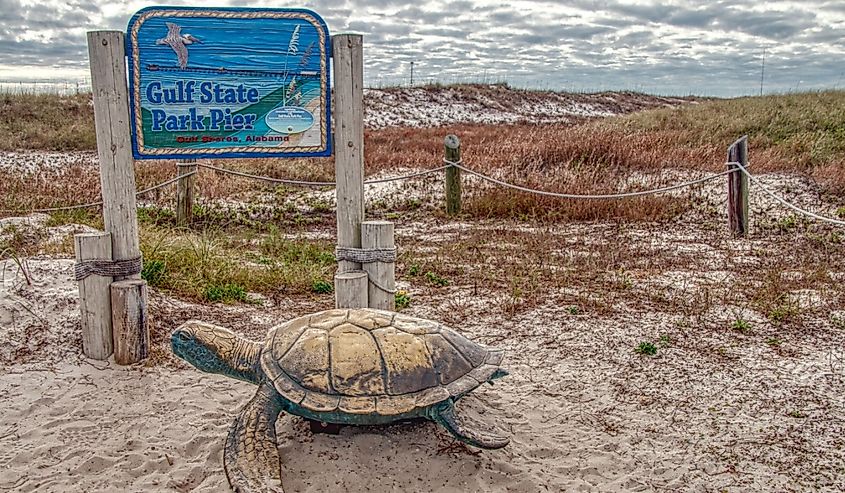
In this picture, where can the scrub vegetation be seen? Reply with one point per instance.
(246, 235)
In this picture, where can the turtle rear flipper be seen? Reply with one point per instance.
(444, 414)
(251, 456)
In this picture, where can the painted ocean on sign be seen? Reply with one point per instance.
(229, 82)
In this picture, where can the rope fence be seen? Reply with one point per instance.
(458, 164)
(97, 204)
(585, 196)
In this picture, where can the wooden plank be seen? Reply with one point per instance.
(738, 188)
(348, 55)
(111, 118)
(351, 289)
(95, 296)
(379, 234)
(130, 321)
(185, 192)
(453, 175)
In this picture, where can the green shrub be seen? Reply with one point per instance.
(153, 272)
(321, 286)
(647, 348)
(226, 293)
(402, 299)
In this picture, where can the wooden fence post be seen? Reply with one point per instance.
(381, 275)
(738, 187)
(107, 58)
(348, 54)
(351, 289)
(453, 175)
(95, 297)
(185, 192)
(130, 322)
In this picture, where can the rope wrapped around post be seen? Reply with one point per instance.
(107, 268)
(367, 256)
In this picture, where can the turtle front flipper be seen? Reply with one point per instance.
(444, 414)
(251, 457)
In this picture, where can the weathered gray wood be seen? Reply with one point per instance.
(348, 57)
(95, 296)
(453, 175)
(130, 321)
(379, 234)
(111, 118)
(351, 289)
(738, 188)
(185, 192)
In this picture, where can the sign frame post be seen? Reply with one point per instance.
(107, 58)
(348, 55)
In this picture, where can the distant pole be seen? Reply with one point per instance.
(348, 54)
(453, 175)
(738, 187)
(185, 191)
(412, 73)
(762, 70)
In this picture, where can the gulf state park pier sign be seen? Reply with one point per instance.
(208, 83)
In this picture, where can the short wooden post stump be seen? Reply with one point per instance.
(130, 321)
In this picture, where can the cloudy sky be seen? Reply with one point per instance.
(668, 47)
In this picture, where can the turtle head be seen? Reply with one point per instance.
(214, 349)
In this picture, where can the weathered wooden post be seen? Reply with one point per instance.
(185, 191)
(738, 187)
(348, 54)
(129, 315)
(453, 175)
(95, 296)
(377, 236)
(107, 53)
(351, 289)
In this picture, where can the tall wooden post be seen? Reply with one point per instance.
(453, 175)
(95, 297)
(381, 275)
(107, 58)
(185, 191)
(738, 187)
(348, 54)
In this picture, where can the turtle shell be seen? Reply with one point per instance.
(365, 361)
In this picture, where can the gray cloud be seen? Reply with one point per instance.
(694, 46)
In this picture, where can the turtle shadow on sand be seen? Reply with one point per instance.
(412, 455)
(343, 367)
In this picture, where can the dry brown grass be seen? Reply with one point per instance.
(46, 121)
(801, 133)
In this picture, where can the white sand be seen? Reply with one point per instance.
(584, 412)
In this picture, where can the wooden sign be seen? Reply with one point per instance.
(228, 82)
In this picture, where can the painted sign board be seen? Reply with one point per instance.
(228, 82)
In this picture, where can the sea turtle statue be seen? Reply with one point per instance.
(357, 367)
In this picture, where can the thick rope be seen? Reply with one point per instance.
(376, 284)
(317, 183)
(365, 255)
(97, 204)
(585, 196)
(267, 178)
(784, 202)
(107, 268)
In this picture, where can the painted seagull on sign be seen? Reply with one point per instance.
(178, 41)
